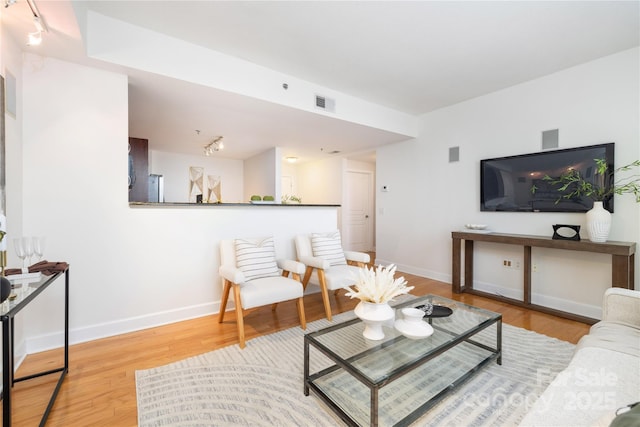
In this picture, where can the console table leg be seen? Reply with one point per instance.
(455, 266)
(527, 275)
(468, 264)
(622, 271)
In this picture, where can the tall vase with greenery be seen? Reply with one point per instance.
(603, 186)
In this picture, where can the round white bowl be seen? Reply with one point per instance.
(411, 314)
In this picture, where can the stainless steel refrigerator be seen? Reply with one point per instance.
(156, 188)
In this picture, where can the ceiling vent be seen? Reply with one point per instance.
(326, 104)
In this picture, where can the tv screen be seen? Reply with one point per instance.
(506, 182)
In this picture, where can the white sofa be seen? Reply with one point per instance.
(604, 373)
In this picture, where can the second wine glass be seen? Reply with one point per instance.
(38, 247)
(27, 245)
(19, 248)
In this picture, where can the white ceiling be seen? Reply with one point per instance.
(413, 57)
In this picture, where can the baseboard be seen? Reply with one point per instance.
(103, 330)
(594, 312)
(108, 329)
(499, 290)
(429, 274)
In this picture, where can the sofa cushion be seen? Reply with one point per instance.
(613, 336)
(589, 391)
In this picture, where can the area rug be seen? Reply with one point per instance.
(262, 385)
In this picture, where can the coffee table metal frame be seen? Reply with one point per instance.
(312, 339)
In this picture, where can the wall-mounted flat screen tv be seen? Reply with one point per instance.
(506, 182)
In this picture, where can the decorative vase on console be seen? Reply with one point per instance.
(598, 223)
(375, 288)
(603, 185)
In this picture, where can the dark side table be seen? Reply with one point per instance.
(8, 311)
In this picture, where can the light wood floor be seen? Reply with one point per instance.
(100, 387)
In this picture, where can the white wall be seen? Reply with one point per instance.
(175, 169)
(592, 103)
(131, 268)
(321, 181)
(11, 62)
(289, 179)
(262, 175)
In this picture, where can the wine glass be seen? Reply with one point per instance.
(17, 245)
(27, 244)
(38, 247)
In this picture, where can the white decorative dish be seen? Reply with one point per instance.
(412, 329)
(263, 202)
(25, 277)
(476, 226)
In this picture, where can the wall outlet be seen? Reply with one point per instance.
(534, 267)
(508, 263)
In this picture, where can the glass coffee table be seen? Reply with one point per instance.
(397, 379)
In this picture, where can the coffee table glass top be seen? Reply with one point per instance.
(378, 360)
(394, 380)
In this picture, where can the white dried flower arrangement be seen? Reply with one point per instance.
(379, 285)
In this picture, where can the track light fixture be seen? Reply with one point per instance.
(34, 38)
(215, 145)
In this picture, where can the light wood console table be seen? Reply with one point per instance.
(622, 264)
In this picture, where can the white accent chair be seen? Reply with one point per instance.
(250, 289)
(331, 275)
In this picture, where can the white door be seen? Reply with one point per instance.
(358, 215)
(287, 186)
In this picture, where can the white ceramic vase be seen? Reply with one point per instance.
(374, 315)
(598, 223)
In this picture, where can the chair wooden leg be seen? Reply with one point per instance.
(303, 320)
(325, 294)
(239, 315)
(307, 276)
(225, 298)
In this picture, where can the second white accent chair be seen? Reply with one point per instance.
(335, 268)
(250, 268)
